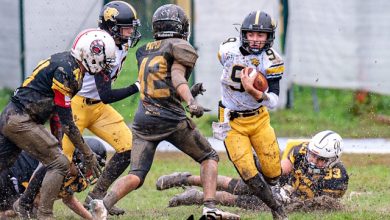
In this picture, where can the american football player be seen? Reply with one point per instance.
(15, 180)
(244, 122)
(311, 168)
(164, 68)
(47, 90)
(91, 109)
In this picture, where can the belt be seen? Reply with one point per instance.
(90, 101)
(243, 114)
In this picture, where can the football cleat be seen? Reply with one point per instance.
(98, 210)
(188, 197)
(172, 180)
(214, 213)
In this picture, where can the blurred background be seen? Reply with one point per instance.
(337, 55)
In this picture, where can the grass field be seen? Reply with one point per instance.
(369, 175)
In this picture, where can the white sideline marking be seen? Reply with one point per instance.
(372, 145)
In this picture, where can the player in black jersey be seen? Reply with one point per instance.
(164, 69)
(46, 91)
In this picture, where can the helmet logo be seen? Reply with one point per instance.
(97, 47)
(110, 14)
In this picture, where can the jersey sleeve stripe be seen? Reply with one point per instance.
(61, 88)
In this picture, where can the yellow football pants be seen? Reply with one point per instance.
(253, 132)
(102, 120)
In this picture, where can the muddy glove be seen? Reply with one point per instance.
(196, 110)
(280, 194)
(197, 89)
(91, 165)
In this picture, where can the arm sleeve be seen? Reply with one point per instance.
(184, 54)
(272, 93)
(69, 128)
(335, 184)
(109, 95)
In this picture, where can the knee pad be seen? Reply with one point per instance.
(61, 164)
(238, 187)
(261, 189)
(213, 155)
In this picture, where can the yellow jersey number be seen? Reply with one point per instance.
(157, 70)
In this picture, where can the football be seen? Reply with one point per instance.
(260, 82)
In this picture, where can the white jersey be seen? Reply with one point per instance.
(234, 97)
(89, 89)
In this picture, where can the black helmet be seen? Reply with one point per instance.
(117, 14)
(261, 22)
(170, 21)
(98, 148)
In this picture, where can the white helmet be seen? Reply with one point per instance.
(327, 145)
(95, 49)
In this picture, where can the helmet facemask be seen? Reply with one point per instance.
(257, 21)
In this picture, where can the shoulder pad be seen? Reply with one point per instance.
(276, 64)
(184, 53)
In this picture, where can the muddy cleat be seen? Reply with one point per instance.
(113, 211)
(279, 214)
(189, 197)
(172, 180)
(214, 213)
(98, 210)
(22, 211)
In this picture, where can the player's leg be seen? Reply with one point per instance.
(38, 142)
(111, 127)
(189, 140)
(141, 161)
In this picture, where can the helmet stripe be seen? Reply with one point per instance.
(257, 17)
(329, 133)
(81, 34)
(132, 9)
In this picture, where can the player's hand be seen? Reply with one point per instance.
(247, 80)
(91, 165)
(197, 89)
(196, 110)
(280, 194)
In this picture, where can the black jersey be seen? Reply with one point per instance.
(332, 181)
(160, 107)
(60, 73)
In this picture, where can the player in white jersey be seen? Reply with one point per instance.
(243, 109)
(91, 107)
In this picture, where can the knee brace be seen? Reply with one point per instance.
(238, 187)
(262, 190)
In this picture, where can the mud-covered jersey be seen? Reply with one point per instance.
(54, 81)
(89, 89)
(332, 181)
(160, 107)
(73, 184)
(234, 97)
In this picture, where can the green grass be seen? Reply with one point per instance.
(369, 174)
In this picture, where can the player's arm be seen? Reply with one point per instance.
(273, 74)
(62, 97)
(109, 95)
(247, 82)
(75, 205)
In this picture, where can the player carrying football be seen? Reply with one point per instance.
(243, 110)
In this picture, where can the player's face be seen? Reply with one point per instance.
(256, 39)
(320, 162)
(126, 33)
